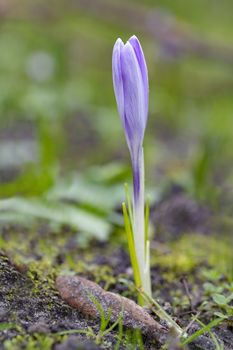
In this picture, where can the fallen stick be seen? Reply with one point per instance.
(79, 292)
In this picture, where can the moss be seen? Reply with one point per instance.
(43, 275)
(191, 251)
(31, 342)
(37, 257)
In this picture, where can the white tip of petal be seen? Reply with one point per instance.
(119, 43)
(133, 37)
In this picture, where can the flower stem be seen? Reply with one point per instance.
(140, 239)
(164, 315)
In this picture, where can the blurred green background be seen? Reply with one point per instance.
(60, 134)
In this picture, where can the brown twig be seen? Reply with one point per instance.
(187, 292)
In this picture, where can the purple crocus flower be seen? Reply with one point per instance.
(130, 80)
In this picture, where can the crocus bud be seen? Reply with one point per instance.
(130, 80)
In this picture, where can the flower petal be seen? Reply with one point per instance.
(134, 42)
(134, 98)
(117, 76)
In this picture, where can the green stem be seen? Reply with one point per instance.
(164, 315)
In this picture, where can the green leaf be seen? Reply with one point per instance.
(132, 252)
(84, 191)
(229, 298)
(60, 213)
(162, 314)
(220, 299)
(204, 329)
(221, 315)
(129, 205)
(5, 326)
(210, 288)
(218, 344)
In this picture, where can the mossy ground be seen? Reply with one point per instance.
(186, 275)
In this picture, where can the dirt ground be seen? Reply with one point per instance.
(31, 309)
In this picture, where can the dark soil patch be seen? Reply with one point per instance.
(177, 213)
(35, 309)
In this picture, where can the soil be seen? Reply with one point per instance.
(30, 302)
(31, 307)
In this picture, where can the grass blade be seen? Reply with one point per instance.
(204, 329)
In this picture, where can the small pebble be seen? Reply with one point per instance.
(4, 311)
(39, 327)
(73, 343)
